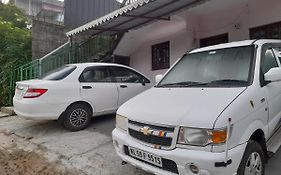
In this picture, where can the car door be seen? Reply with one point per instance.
(98, 87)
(272, 90)
(129, 83)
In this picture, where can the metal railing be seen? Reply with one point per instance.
(92, 50)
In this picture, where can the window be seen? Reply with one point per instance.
(212, 66)
(128, 76)
(214, 40)
(268, 61)
(271, 31)
(60, 73)
(161, 56)
(96, 75)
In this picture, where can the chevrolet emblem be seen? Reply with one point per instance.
(146, 130)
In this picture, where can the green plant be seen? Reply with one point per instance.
(15, 45)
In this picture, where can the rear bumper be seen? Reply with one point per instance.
(182, 157)
(35, 110)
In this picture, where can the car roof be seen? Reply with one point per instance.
(236, 44)
(98, 64)
(84, 65)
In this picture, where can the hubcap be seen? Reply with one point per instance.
(253, 165)
(78, 117)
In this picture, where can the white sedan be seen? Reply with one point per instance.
(74, 93)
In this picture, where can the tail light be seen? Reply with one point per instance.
(33, 93)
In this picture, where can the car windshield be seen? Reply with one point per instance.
(59, 73)
(223, 67)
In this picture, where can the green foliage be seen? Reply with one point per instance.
(15, 45)
(13, 15)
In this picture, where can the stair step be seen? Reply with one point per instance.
(275, 142)
(8, 110)
(2, 114)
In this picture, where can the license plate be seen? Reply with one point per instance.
(145, 156)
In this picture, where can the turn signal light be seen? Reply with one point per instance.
(219, 136)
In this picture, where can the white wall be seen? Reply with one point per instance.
(185, 30)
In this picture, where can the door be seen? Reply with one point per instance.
(122, 60)
(98, 87)
(272, 90)
(214, 40)
(129, 83)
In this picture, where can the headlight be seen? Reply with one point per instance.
(201, 137)
(121, 122)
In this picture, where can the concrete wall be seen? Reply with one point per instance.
(46, 37)
(79, 12)
(185, 30)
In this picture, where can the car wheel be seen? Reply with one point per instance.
(77, 117)
(253, 161)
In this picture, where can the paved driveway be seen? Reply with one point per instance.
(90, 151)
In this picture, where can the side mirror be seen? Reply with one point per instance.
(158, 78)
(274, 74)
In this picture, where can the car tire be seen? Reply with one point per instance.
(253, 161)
(77, 117)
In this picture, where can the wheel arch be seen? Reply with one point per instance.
(255, 128)
(91, 107)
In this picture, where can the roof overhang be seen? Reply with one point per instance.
(135, 15)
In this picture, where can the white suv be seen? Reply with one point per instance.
(217, 111)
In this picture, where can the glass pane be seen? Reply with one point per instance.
(205, 67)
(97, 75)
(268, 61)
(126, 75)
(60, 73)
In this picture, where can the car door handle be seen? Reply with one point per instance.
(123, 86)
(262, 100)
(87, 87)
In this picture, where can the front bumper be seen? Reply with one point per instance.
(182, 157)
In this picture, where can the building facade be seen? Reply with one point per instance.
(152, 49)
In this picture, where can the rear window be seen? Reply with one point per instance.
(60, 73)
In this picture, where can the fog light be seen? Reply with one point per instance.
(194, 169)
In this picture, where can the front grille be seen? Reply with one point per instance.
(151, 138)
(155, 136)
(167, 165)
(171, 129)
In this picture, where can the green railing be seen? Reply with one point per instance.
(92, 50)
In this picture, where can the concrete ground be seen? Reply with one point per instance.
(85, 152)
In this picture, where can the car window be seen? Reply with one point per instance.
(96, 75)
(215, 66)
(59, 73)
(128, 76)
(268, 61)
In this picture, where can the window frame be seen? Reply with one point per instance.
(265, 47)
(82, 80)
(266, 28)
(130, 70)
(166, 65)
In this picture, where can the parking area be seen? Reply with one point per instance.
(85, 152)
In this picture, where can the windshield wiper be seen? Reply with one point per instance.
(183, 84)
(229, 81)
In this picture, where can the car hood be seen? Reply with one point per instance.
(190, 107)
